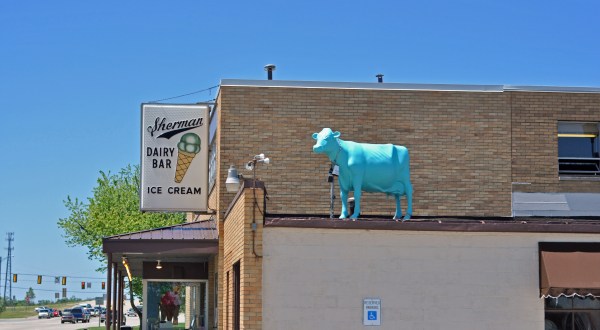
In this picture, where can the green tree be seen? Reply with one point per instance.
(29, 296)
(113, 209)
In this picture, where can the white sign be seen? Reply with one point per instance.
(174, 158)
(371, 311)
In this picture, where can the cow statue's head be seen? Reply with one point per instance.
(326, 141)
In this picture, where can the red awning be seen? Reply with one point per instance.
(569, 273)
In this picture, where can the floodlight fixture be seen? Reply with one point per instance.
(232, 184)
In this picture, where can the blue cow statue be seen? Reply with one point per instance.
(367, 167)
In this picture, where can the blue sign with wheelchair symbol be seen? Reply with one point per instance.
(372, 315)
(371, 311)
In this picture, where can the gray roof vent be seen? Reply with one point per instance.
(270, 68)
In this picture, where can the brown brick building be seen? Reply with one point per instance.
(502, 175)
(482, 154)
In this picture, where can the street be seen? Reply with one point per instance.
(53, 324)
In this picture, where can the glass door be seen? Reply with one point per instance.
(175, 304)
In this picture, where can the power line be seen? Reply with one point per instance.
(187, 94)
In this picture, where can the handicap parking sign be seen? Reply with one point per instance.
(371, 311)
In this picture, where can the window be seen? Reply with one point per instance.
(572, 313)
(227, 302)
(578, 148)
(212, 156)
(216, 301)
(236, 296)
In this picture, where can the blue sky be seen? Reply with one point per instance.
(74, 73)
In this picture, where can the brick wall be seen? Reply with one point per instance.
(534, 142)
(459, 145)
(240, 244)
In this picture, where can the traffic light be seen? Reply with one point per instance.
(39, 279)
(64, 280)
(82, 285)
(103, 285)
(14, 278)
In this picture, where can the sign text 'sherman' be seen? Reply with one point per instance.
(174, 157)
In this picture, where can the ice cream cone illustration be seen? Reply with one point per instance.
(188, 146)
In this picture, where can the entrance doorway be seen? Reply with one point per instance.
(171, 304)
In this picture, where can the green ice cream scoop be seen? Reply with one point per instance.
(190, 142)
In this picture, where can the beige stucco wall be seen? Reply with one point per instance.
(317, 278)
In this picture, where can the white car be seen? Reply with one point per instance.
(44, 314)
(95, 311)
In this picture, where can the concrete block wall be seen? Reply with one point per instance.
(535, 142)
(459, 145)
(241, 244)
(317, 278)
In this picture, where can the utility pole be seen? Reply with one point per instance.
(8, 274)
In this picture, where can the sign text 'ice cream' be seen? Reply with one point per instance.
(174, 157)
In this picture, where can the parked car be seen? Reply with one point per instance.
(37, 309)
(103, 317)
(44, 314)
(67, 316)
(131, 312)
(80, 314)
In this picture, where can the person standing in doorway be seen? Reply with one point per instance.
(177, 301)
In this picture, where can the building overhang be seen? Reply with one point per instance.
(588, 225)
(185, 244)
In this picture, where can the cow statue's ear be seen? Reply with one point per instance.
(336, 134)
(315, 135)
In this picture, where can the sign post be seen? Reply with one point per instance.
(371, 311)
(174, 158)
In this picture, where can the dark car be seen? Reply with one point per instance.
(103, 317)
(80, 315)
(67, 317)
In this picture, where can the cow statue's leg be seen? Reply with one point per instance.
(398, 214)
(409, 193)
(357, 183)
(344, 198)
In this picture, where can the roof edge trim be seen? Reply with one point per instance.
(404, 86)
(356, 85)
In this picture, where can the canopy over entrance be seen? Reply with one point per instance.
(183, 251)
(191, 242)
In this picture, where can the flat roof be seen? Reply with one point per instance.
(588, 225)
(405, 86)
